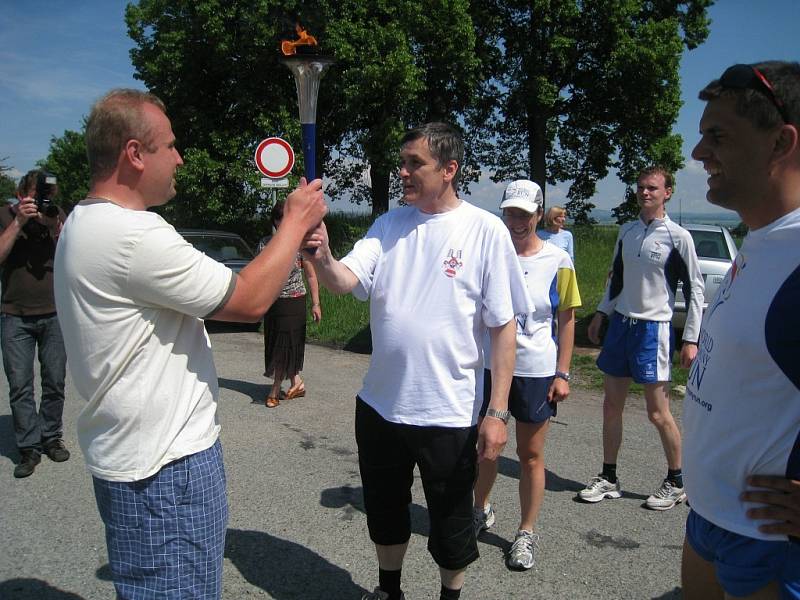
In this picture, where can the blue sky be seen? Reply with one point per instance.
(57, 57)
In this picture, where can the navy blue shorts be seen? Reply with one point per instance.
(527, 398)
(447, 460)
(743, 564)
(166, 534)
(639, 349)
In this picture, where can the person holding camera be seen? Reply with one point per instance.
(28, 319)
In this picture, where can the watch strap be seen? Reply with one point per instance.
(503, 415)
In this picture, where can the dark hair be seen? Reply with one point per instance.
(115, 119)
(669, 180)
(27, 183)
(757, 106)
(276, 214)
(444, 141)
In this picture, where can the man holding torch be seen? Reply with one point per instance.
(439, 272)
(132, 295)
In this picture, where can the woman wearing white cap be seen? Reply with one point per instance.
(541, 377)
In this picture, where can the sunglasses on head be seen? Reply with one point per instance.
(747, 77)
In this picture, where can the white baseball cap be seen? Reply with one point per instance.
(523, 194)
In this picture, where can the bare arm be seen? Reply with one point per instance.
(313, 289)
(26, 209)
(593, 333)
(493, 435)
(334, 275)
(260, 282)
(559, 390)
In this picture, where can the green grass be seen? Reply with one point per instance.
(345, 320)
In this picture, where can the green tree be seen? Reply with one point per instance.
(8, 187)
(66, 159)
(400, 63)
(217, 66)
(575, 88)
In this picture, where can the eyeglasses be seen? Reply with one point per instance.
(747, 77)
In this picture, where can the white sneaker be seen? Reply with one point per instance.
(666, 497)
(521, 556)
(482, 519)
(598, 488)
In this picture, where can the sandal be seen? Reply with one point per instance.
(298, 392)
(271, 402)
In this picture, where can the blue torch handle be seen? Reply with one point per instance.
(309, 131)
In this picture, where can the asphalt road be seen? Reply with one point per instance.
(297, 528)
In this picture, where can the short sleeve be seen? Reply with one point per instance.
(363, 259)
(166, 271)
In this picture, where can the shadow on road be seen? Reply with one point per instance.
(351, 499)
(674, 594)
(285, 569)
(509, 467)
(33, 589)
(256, 391)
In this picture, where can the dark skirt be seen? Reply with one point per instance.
(285, 337)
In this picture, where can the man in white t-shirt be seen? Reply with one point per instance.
(131, 294)
(741, 415)
(438, 273)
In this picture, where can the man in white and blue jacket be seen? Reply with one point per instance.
(652, 254)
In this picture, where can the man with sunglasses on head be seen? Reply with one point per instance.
(741, 416)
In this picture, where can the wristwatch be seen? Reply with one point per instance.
(503, 415)
(562, 375)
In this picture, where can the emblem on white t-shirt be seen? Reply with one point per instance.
(655, 253)
(452, 263)
(724, 291)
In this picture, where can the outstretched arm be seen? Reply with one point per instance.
(334, 275)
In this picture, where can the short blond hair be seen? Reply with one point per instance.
(115, 119)
(552, 213)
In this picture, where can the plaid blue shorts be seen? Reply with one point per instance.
(166, 534)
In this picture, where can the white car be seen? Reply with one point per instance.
(715, 252)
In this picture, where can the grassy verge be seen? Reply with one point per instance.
(345, 320)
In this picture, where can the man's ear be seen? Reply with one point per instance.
(668, 194)
(786, 144)
(450, 170)
(133, 152)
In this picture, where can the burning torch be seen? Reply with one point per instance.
(307, 66)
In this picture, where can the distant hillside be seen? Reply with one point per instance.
(727, 218)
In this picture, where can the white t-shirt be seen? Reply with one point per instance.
(550, 277)
(435, 283)
(741, 414)
(130, 293)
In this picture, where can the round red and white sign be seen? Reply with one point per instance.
(274, 157)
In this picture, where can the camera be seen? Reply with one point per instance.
(45, 190)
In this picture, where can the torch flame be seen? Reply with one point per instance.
(288, 47)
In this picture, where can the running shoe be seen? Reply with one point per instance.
(482, 519)
(521, 556)
(598, 488)
(667, 496)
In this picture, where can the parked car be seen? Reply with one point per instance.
(715, 251)
(223, 246)
(227, 248)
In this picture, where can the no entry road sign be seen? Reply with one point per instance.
(274, 157)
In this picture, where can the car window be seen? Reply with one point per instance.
(710, 244)
(221, 248)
